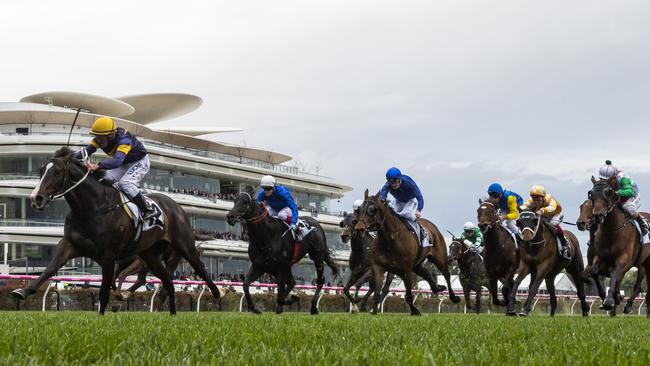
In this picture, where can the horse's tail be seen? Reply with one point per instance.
(329, 256)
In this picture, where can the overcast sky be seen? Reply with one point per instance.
(456, 93)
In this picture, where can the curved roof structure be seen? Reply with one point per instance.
(11, 113)
(158, 107)
(88, 102)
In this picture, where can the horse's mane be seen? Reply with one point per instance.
(64, 152)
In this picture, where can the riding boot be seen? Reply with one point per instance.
(146, 211)
(642, 224)
(565, 247)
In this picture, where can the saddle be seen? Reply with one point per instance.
(132, 210)
(410, 227)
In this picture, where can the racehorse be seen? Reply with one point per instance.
(361, 243)
(500, 254)
(96, 227)
(585, 221)
(398, 250)
(473, 276)
(266, 233)
(539, 256)
(616, 243)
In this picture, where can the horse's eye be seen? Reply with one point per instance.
(372, 210)
(589, 194)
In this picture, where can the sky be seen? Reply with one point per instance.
(457, 94)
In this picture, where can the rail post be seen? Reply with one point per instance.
(153, 298)
(641, 306)
(591, 306)
(573, 305)
(320, 296)
(442, 299)
(198, 301)
(382, 303)
(241, 303)
(47, 291)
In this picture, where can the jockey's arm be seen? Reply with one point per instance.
(118, 160)
(626, 190)
(261, 196)
(513, 209)
(383, 194)
(479, 238)
(551, 207)
(527, 204)
(90, 149)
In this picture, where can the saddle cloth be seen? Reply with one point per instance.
(304, 229)
(641, 237)
(416, 231)
(513, 235)
(133, 212)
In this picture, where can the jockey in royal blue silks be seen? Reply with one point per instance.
(281, 205)
(408, 202)
(129, 162)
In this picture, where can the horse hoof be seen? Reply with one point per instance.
(314, 311)
(440, 288)
(355, 309)
(279, 310)
(511, 313)
(523, 314)
(626, 310)
(255, 311)
(455, 299)
(416, 313)
(19, 293)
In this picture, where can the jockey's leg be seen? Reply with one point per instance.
(130, 184)
(556, 221)
(285, 215)
(407, 210)
(631, 207)
(512, 225)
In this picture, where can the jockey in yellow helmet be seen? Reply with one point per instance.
(549, 209)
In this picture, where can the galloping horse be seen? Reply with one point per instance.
(540, 257)
(361, 242)
(585, 221)
(398, 250)
(98, 228)
(500, 254)
(616, 243)
(266, 233)
(473, 276)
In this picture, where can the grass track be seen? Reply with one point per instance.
(232, 338)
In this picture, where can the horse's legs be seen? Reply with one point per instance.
(593, 271)
(424, 272)
(615, 284)
(108, 275)
(511, 301)
(579, 282)
(647, 290)
(478, 300)
(407, 277)
(443, 267)
(320, 280)
(141, 281)
(253, 274)
(636, 291)
(64, 252)
(151, 257)
(538, 275)
(354, 279)
(550, 287)
(389, 280)
(282, 283)
(192, 257)
(377, 278)
(466, 293)
(494, 291)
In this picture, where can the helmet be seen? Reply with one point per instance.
(495, 188)
(469, 226)
(393, 173)
(103, 126)
(267, 181)
(608, 170)
(357, 204)
(537, 190)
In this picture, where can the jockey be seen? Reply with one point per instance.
(549, 209)
(408, 201)
(129, 163)
(472, 237)
(279, 201)
(507, 203)
(628, 192)
(356, 205)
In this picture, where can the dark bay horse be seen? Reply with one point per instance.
(106, 235)
(398, 250)
(473, 276)
(361, 242)
(586, 222)
(539, 256)
(500, 255)
(266, 233)
(616, 243)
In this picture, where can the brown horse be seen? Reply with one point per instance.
(500, 254)
(398, 250)
(585, 222)
(473, 276)
(539, 256)
(98, 228)
(616, 243)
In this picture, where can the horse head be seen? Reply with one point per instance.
(371, 213)
(456, 250)
(57, 176)
(528, 222)
(245, 207)
(585, 219)
(487, 215)
(347, 224)
(603, 197)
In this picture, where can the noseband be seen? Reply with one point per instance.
(495, 216)
(249, 207)
(611, 202)
(66, 178)
(528, 214)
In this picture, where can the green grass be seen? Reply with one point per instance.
(232, 338)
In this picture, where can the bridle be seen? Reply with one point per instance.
(528, 214)
(67, 180)
(494, 216)
(611, 202)
(467, 249)
(249, 207)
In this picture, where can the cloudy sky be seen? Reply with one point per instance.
(456, 93)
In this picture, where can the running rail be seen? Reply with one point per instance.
(155, 281)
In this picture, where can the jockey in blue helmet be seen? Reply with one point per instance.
(408, 201)
(507, 203)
